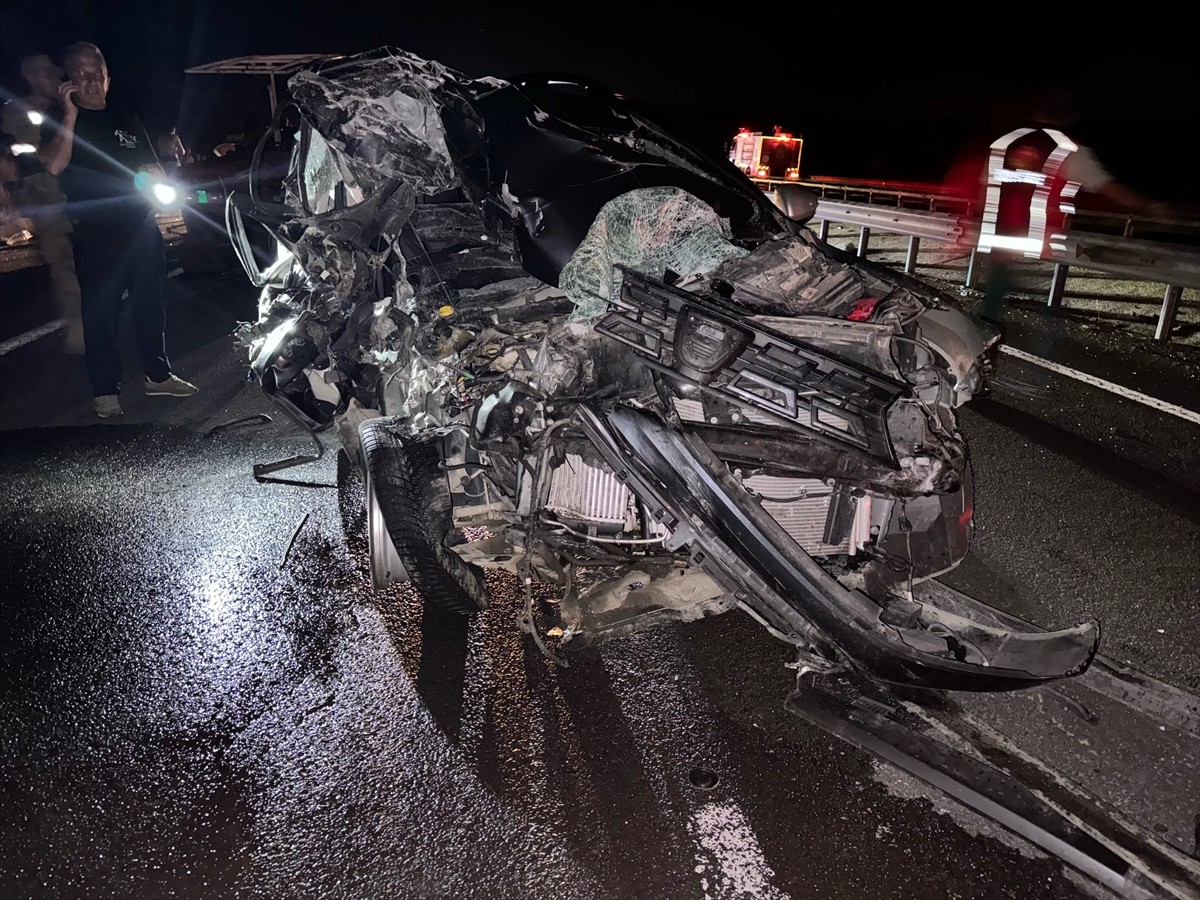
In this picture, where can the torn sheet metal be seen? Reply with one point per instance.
(384, 117)
(794, 276)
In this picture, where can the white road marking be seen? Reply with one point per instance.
(1144, 399)
(28, 337)
(731, 856)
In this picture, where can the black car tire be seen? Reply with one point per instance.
(414, 499)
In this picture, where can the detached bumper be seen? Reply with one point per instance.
(741, 546)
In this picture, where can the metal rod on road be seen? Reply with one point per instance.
(864, 235)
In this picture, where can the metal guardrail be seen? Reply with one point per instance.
(1174, 265)
(906, 209)
(26, 256)
(1130, 257)
(941, 227)
(23, 255)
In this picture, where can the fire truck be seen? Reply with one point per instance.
(774, 157)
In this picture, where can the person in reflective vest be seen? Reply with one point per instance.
(1032, 178)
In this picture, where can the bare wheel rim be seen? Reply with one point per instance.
(386, 565)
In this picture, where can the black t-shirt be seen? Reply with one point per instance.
(109, 147)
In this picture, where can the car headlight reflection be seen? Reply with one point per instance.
(165, 194)
(160, 193)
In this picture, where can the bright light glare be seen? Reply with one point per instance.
(19, 149)
(275, 339)
(36, 117)
(165, 194)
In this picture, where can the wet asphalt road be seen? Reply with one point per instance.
(186, 713)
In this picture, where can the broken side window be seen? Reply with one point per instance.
(327, 184)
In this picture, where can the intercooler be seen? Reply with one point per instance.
(800, 505)
(585, 496)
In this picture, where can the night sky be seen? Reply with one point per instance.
(897, 95)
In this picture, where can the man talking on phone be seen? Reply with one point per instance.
(107, 169)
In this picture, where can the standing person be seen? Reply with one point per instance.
(37, 191)
(170, 146)
(1033, 179)
(97, 150)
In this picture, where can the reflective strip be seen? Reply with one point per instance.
(1018, 176)
(1144, 399)
(1006, 242)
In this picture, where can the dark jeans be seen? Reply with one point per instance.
(997, 285)
(110, 259)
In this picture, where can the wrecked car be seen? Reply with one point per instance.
(559, 341)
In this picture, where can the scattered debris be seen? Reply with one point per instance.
(257, 418)
(292, 540)
(262, 469)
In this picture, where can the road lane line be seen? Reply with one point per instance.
(28, 337)
(1144, 399)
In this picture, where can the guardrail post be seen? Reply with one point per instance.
(972, 268)
(864, 235)
(1166, 317)
(910, 258)
(823, 230)
(1058, 281)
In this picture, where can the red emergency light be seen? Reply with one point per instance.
(767, 156)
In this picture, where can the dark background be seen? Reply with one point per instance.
(891, 95)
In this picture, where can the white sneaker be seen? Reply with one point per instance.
(172, 387)
(107, 406)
